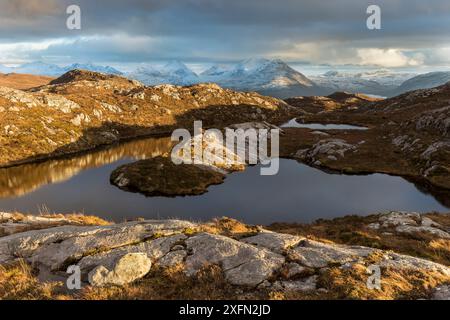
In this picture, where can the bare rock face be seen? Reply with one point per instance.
(126, 269)
(315, 254)
(55, 247)
(273, 241)
(242, 263)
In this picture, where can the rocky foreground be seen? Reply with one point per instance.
(252, 262)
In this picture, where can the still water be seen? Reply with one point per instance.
(317, 126)
(298, 193)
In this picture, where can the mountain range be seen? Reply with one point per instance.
(272, 77)
(53, 70)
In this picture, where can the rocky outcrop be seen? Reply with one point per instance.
(332, 149)
(409, 223)
(122, 253)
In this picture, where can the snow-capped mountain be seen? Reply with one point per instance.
(378, 82)
(423, 81)
(271, 77)
(215, 71)
(174, 72)
(39, 68)
(92, 67)
(53, 70)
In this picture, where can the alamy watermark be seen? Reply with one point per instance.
(74, 279)
(73, 22)
(374, 20)
(374, 280)
(240, 147)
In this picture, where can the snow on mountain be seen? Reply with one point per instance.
(215, 71)
(378, 82)
(424, 81)
(258, 74)
(174, 72)
(271, 77)
(53, 70)
(92, 67)
(39, 68)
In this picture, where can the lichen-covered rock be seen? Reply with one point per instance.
(126, 269)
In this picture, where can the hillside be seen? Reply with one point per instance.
(408, 135)
(23, 81)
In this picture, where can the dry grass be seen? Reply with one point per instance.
(351, 284)
(229, 227)
(23, 81)
(17, 282)
(81, 219)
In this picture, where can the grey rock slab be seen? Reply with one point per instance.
(252, 265)
(423, 229)
(173, 258)
(25, 243)
(294, 269)
(56, 254)
(319, 255)
(404, 262)
(277, 242)
(397, 218)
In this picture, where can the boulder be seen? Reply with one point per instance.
(126, 269)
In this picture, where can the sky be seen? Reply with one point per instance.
(414, 33)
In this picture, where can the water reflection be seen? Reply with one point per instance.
(317, 126)
(298, 193)
(20, 180)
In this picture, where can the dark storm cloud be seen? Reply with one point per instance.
(224, 29)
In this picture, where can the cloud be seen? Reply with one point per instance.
(228, 30)
(389, 58)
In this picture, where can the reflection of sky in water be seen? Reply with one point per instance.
(297, 193)
(317, 126)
